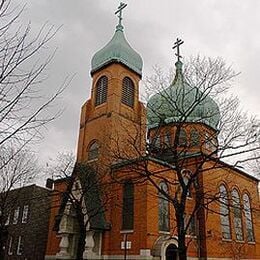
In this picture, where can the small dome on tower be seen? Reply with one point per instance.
(181, 102)
(117, 50)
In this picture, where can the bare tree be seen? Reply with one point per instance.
(25, 106)
(194, 128)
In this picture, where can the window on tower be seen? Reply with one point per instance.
(93, 151)
(182, 138)
(128, 206)
(194, 138)
(128, 92)
(101, 91)
(167, 139)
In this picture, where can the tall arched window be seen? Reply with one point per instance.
(194, 138)
(224, 213)
(237, 215)
(248, 218)
(128, 206)
(128, 90)
(93, 151)
(163, 208)
(182, 138)
(101, 91)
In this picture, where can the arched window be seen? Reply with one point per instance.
(167, 139)
(194, 138)
(163, 208)
(248, 217)
(101, 91)
(128, 92)
(237, 215)
(224, 213)
(93, 151)
(182, 138)
(156, 142)
(128, 206)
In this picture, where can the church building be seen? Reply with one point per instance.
(149, 183)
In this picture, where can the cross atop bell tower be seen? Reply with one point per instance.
(113, 116)
(120, 13)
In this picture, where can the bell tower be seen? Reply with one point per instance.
(113, 120)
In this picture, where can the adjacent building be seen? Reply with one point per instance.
(27, 223)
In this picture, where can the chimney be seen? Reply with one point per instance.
(49, 183)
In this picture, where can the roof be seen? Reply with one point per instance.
(117, 50)
(183, 103)
(165, 163)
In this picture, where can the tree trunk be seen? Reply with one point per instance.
(182, 254)
(82, 234)
(182, 249)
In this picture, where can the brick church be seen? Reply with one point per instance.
(149, 182)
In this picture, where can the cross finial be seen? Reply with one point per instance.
(177, 45)
(119, 10)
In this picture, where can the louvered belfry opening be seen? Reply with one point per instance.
(101, 91)
(128, 92)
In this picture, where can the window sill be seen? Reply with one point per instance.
(164, 232)
(126, 231)
(128, 106)
(251, 242)
(226, 240)
(240, 241)
(100, 105)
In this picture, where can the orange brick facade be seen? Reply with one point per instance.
(120, 132)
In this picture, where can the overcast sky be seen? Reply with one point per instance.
(229, 29)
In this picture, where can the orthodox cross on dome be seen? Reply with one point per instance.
(119, 10)
(177, 45)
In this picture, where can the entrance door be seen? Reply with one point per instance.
(171, 252)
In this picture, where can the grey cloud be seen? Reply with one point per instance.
(212, 27)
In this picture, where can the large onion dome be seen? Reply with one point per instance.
(181, 102)
(117, 50)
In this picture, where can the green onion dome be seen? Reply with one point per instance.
(181, 102)
(117, 50)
